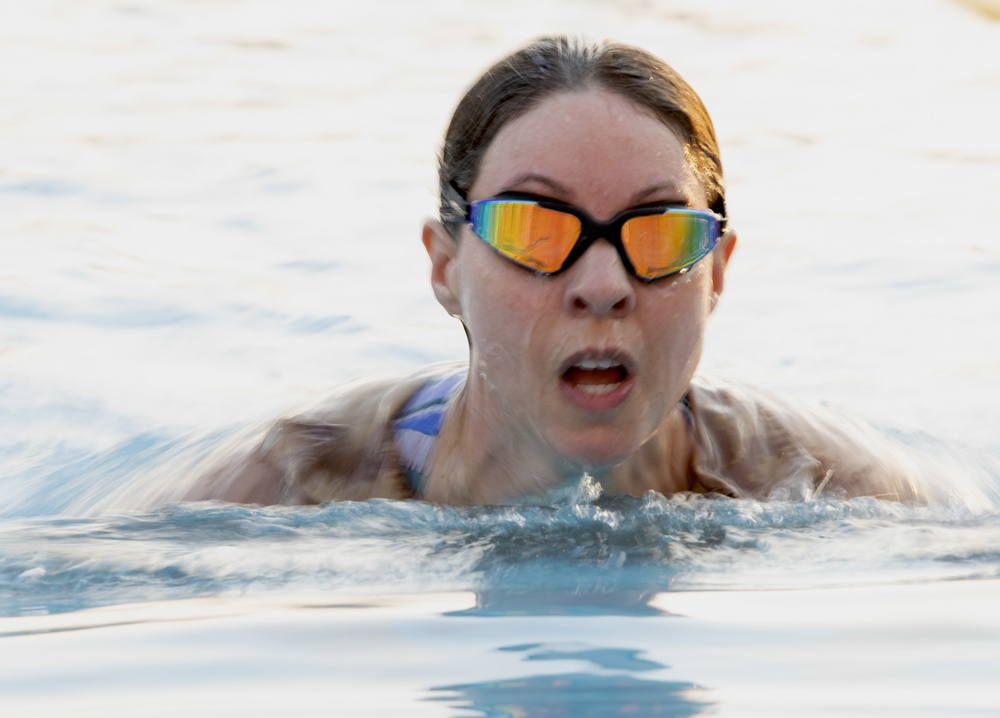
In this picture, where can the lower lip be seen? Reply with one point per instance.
(608, 401)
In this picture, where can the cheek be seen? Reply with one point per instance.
(505, 308)
(675, 317)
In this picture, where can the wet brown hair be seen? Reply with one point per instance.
(556, 64)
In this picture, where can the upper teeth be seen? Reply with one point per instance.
(597, 364)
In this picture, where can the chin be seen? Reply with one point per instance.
(595, 451)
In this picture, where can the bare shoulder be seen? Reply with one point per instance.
(759, 445)
(340, 448)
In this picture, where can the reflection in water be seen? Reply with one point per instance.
(620, 659)
(579, 693)
(581, 601)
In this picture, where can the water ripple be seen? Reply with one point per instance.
(610, 546)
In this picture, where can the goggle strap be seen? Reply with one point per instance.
(454, 208)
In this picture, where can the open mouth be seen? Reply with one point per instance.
(596, 376)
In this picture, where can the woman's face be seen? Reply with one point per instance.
(591, 361)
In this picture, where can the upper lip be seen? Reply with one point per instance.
(616, 355)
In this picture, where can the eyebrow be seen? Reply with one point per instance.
(678, 196)
(541, 179)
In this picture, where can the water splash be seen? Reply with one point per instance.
(596, 551)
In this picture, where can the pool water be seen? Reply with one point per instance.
(210, 215)
(615, 606)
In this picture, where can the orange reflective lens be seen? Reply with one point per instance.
(526, 232)
(548, 237)
(662, 244)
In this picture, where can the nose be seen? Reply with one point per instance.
(598, 284)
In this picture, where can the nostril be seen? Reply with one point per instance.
(595, 304)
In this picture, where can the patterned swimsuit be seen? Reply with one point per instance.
(417, 425)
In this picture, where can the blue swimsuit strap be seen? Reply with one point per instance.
(685, 406)
(417, 425)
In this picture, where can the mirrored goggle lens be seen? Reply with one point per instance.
(540, 238)
(533, 236)
(662, 244)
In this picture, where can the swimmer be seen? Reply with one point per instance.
(582, 243)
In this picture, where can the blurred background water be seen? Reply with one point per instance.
(210, 213)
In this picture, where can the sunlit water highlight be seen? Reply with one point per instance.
(209, 214)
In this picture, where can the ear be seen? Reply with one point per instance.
(720, 259)
(442, 249)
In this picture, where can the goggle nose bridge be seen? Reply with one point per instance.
(592, 231)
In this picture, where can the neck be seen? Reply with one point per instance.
(484, 456)
(662, 464)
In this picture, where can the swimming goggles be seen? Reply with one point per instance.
(546, 236)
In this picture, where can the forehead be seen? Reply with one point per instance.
(599, 148)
